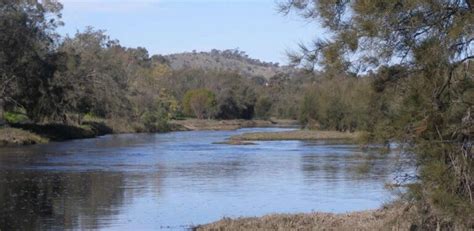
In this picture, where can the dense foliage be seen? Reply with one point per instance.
(91, 77)
(200, 103)
(423, 97)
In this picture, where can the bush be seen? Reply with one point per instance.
(200, 103)
(337, 104)
(155, 122)
(263, 108)
(15, 117)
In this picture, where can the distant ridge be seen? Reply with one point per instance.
(226, 60)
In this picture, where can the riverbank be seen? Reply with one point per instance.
(29, 133)
(297, 135)
(393, 217)
(14, 136)
(199, 125)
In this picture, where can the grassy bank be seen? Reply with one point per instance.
(297, 135)
(388, 218)
(14, 136)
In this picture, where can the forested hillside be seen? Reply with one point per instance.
(227, 60)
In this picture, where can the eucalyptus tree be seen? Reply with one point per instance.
(27, 41)
(101, 77)
(433, 40)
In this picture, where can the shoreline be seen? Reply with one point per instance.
(395, 216)
(28, 134)
(221, 125)
(296, 135)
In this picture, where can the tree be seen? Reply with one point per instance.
(338, 103)
(101, 77)
(263, 107)
(433, 40)
(200, 103)
(236, 102)
(27, 39)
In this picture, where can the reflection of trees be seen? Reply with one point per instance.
(37, 200)
(345, 165)
(210, 170)
(317, 168)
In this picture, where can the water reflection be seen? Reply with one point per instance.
(174, 180)
(32, 198)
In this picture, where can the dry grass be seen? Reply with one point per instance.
(382, 219)
(14, 136)
(197, 125)
(297, 135)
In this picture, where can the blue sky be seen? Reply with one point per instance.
(172, 26)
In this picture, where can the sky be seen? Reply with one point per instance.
(174, 26)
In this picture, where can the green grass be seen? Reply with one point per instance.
(90, 117)
(15, 117)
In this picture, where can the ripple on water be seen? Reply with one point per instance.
(152, 181)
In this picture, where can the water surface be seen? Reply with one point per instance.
(180, 179)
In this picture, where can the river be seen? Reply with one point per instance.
(175, 180)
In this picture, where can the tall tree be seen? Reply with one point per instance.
(434, 40)
(101, 76)
(27, 39)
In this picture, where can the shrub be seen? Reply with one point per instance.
(200, 103)
(263, 108)
(15, 117)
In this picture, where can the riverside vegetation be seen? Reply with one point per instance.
(392, 70)
(395, 216)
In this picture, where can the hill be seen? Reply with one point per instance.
(227, 60)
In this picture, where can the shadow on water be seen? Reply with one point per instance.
(66, 200)
(35, 200)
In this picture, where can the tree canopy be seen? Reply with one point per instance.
(200, 103)
(432, 42)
